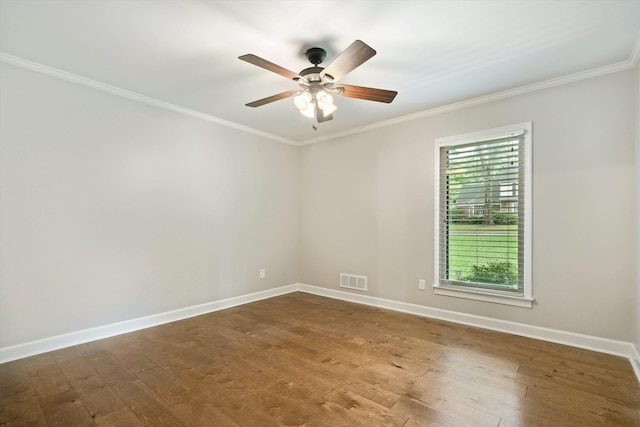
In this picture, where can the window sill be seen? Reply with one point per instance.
(478, 295)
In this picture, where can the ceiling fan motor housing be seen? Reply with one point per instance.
(316, 55)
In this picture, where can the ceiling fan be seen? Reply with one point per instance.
(317, 84)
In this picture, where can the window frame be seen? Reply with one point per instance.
(524, 299)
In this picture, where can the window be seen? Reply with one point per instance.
(483, 216)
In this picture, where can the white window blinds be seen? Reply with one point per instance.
(481, 214)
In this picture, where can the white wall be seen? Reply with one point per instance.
(367, 207)
(112, 209)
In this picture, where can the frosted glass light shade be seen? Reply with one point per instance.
(302, 101)
(324, 99)
(310, 111)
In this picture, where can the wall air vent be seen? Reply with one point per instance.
(351, 281)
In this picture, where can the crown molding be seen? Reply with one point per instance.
(571, 78)
(74, 78)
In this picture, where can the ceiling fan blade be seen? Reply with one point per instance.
(352, 57)
(263, 63)
(272, 98)
(368, 93)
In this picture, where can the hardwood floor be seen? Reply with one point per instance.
(301, 359)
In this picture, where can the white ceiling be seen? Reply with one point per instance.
(434, 53)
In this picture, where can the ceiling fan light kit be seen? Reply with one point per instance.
(307, 101)
(318, 84)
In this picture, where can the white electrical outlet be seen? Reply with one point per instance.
(263, 273)
(421, 284)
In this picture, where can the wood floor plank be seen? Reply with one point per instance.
(466, 373)
(80, 374)
(499, 345)
(581, 379)
(112, 369)
(279, 364)
(533, 413)
(119, 418)
(203, 383)
(308, 390)
(132, 358)
(276, 338)
(436, 393)
(364, 410)
(282, 409)
(592, 408)
(102, 401)
(21, 409)
(170, 389)
(46, 376)
(261, 376)
(421, 415)
(301, 359)
(336, 354)
(247, 411)
(338, 371)
(615, 365)
(145, 404)
(195, 411)
(15, 378)
(481, 397)
(66, 409)
(237, 383)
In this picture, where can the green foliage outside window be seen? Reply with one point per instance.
(498, 272)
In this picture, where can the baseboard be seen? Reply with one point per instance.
(32, 348)
(635, 360)
(602, 345)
